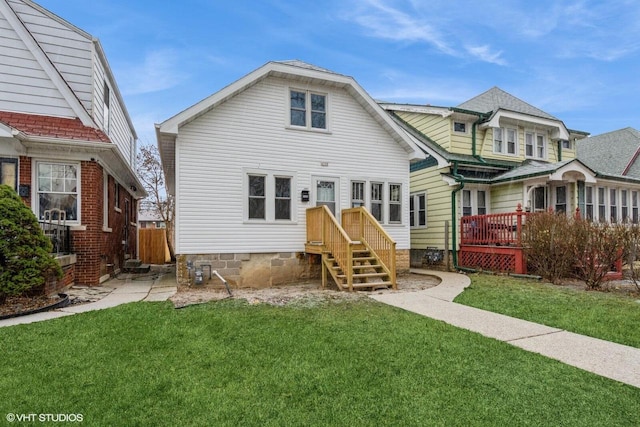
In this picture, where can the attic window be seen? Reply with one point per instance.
(566, 144)
(308, 109)
(460, 127)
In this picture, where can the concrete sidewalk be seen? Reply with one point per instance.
(611, 360)
(159, 285)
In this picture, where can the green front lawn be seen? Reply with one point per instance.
(337, 364)
(603, 315)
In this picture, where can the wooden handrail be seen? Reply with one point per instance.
(332, 237)
(360, 225)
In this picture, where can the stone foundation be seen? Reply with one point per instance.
(262, 270)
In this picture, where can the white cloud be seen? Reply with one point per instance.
(485, 54)
(159, 70)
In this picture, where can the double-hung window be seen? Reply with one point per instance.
(377, 200)
(602, 204)
(589, 203)
(395, 203)
(624, 202)
(535, 145)
(308, 109)
(357, 194)
(58, 189)
(613, 205)
(9, 172)
(418, 210)
(269, 197)
(474, 202)
(634, 207)
(505, 141)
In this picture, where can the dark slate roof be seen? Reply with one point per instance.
(531, 168)
(612, 153)
(496, 98)
(52, 127)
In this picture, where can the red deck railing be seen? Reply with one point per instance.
(502, 229)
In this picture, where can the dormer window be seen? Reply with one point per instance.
(505, 141)
(566, 144)
(535, 145)
(460, 127)
(308, 109)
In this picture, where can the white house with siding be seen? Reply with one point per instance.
(248, 161)
(67, 142)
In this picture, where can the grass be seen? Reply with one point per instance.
(603, 315)
(342, 364)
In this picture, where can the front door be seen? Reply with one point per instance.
(325, 193)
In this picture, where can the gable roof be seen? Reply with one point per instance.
(613, 152)
(167, 131)
(496, 98)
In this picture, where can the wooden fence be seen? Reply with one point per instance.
(153, 248)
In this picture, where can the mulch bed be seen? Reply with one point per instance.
(19, 305)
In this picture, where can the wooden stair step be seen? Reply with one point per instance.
(363, 275)
(372, 285)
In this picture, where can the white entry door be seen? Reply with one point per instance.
(326, 190)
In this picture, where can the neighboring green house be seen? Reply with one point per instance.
(493, 153)
(612, 154)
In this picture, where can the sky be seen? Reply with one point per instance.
(578, 60)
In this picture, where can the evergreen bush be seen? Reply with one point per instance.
(25, 252)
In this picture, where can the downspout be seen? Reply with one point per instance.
(454, 221)
(559, 150)
(473, 138)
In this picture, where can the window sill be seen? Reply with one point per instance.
(117, 209)
(268, 222)
(306, 129)
(107, 229)
(78, 227)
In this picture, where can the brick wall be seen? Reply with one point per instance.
(53, 286)
(25, 176)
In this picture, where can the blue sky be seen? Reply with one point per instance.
(578, 60)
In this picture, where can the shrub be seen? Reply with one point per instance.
(25, 259)
(547, 246)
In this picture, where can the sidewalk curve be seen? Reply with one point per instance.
(615, 361)
(153, 287)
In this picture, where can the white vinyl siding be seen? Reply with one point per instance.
(250, 132)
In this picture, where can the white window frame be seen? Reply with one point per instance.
(634, 207)
(362, 200)
(589, 199)
(535, 138)
(105, 202)
(624, 205)
(602, 203)
(504, 141)
(414, 214)
(614, 212)
(269, 196)
(106, 102)
(465, 125)
(78, 192)
(308, 112)
(472, 208)
(392, 202)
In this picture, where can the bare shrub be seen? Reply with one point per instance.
(548, 246)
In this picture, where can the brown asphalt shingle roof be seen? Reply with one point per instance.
(53, 127)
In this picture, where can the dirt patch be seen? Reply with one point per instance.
(308, 293)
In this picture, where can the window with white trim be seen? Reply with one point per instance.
(395, 203)
(474, 202)
(505, 141)
(602, 204)
(460, 127)
(613, 205)
(535, 145)
(308, 109)
(624, 203)
(106, 100)
(377, 200)
(357, 194)
(268, 197)
(58, 187)
(588, 203)
(116, 194)
(105, 201)
(418, 210)
(634, 207)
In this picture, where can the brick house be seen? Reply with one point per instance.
(67, 143)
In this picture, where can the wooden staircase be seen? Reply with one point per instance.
(359, 256)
